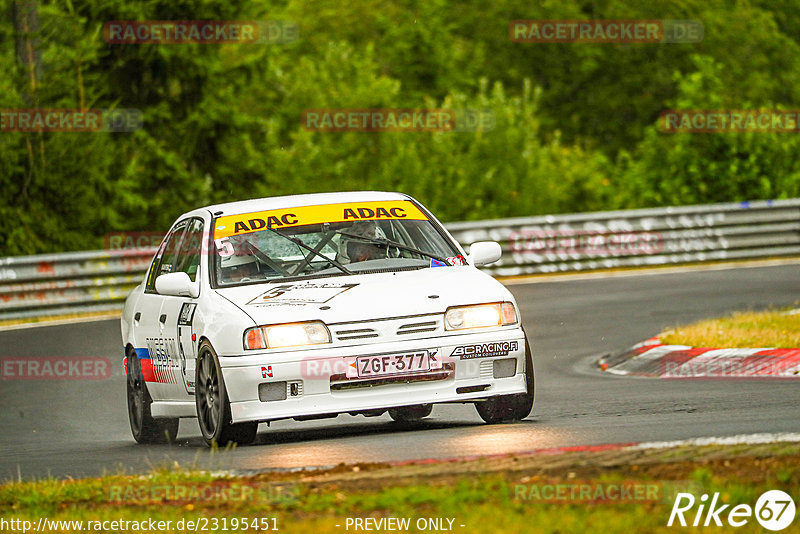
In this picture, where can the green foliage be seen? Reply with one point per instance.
(696, 168)
(576, 124)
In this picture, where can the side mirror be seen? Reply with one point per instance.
(483, 253)
(176, 285)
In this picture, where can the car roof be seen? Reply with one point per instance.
(293, 201)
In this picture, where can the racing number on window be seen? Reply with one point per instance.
(224, 247)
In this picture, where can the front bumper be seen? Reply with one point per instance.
(307, 383)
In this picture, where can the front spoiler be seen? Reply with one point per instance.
(322, 388)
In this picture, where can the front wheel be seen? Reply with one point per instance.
(144, 427)
(510, 407)
(213, 408)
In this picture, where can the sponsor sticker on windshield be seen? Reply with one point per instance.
(458, 260)
(246, 223)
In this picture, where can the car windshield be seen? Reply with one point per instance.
(338, 239)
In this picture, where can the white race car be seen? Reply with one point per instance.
(313, 306)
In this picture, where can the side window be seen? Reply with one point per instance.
(151, 277)
(189, 257)
(167, 256)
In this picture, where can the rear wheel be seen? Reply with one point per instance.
(510, 407)
(213, 408)
(144, 427)
(406, 414)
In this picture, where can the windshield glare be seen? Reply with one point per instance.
(357, 247)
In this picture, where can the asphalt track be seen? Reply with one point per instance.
(80, 428)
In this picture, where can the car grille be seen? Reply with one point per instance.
(487, 369)
(418, 328)
(278, 391)
(397, 327)
(356, 333)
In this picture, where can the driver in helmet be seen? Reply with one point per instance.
(238, 268)
(355, 249)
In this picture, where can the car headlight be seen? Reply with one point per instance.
(286, 335)
(480, 316)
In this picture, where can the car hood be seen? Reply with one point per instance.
(366, 296)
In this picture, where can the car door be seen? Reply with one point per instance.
(177, 315)
(151, 344)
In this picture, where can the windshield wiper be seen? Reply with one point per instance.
(299, 243)
(389, 243)
(263, 258)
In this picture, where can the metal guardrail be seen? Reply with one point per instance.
(658, 236)
(54, 284)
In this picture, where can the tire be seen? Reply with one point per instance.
(213, 408)
(508, 408)
(408, 414)
(144, 427)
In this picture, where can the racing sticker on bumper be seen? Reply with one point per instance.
(313, 293)
(485, 350)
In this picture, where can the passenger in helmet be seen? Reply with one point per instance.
(355, 249)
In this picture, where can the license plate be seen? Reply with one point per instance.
(395, 364)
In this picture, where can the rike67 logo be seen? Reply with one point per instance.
(774, 510)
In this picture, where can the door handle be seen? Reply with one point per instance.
(137, 316)
(163, 318)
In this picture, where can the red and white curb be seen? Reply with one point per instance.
(652, 358)
(738, 439)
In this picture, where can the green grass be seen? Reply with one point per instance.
(484, 502)
(773, 329)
